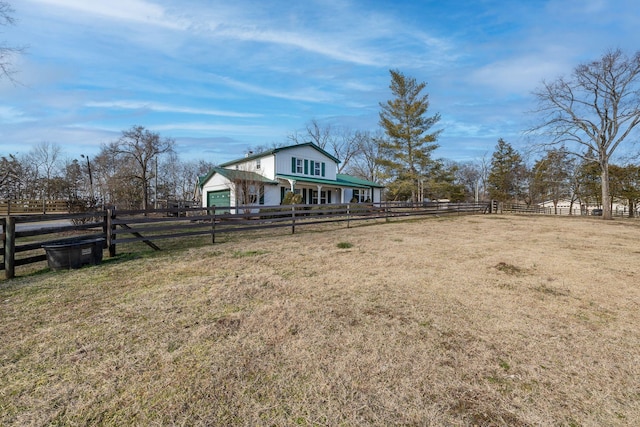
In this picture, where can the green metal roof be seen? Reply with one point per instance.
(357, 181)
(235, 175)
(342, 180)
(276, 150)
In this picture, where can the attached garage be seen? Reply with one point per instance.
(223, 188)
(221, 198)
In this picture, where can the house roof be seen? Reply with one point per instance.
(352, 180)
(276, 150)
(341, 181)
(234, 175)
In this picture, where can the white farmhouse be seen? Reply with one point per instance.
(264, 179)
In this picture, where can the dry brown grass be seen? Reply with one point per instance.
(481, 320)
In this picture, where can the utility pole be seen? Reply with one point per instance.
(91, 197)
(155, 198)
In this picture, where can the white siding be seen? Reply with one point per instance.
(271, 195)
(377, 195)
(283, 162)
(267, 166)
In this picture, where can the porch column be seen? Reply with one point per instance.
(292, 184)
(319, 189)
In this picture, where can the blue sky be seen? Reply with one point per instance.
(222, 76)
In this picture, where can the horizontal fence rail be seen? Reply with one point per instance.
(32, 206)
(577, 210)
(24, 236)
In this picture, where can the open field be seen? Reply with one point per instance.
(473, 320)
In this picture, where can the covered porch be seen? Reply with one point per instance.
(316, 191)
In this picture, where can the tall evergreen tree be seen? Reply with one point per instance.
(406, 149)
(507, 173)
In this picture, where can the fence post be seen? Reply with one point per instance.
(293, 219)
(10, 247)
(213, 225)
(348, 215)
(105, 225)
(111, 228)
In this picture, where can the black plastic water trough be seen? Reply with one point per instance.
(74, 254)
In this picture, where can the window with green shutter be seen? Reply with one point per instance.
(293, 165)
(323, 168)
(306, 167)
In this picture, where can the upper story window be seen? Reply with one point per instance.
(257, 163)
(307, 167)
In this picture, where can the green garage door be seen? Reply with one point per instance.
(220, 198)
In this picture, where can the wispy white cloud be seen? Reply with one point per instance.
(165, 108)
(308, 94)
(342, 31)
(209, 128)
(138, 11)
(520, 74)
(323, 45)
(11, 115)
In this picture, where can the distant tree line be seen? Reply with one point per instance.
(138, 170)
(561, 176)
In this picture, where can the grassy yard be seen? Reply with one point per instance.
(476, 320)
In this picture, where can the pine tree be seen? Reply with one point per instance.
(406, 149)
(507, 173)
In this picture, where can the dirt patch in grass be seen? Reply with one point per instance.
(509, 269)
(461, 321)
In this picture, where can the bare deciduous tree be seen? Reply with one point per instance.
(551, 177)
(364, 163)
(341, 143)
(7, 53)
(470, 176)
(9, 174)
(594, 110)
(45, 158)
(141, 148)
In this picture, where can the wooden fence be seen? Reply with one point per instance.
(16, 207)
(523, 208)
(23, 236)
